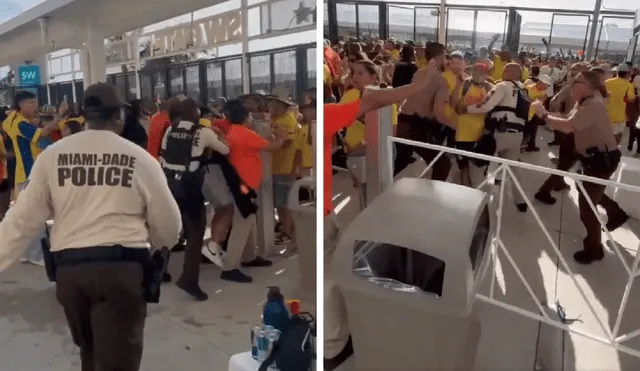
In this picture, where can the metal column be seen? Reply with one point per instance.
(378, 127)
(594, 29)
(265, 219)
(442, 22)
(246, 83)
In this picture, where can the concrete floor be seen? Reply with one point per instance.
(180, 333)
(513, 342)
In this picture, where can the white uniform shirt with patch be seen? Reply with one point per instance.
(100, 190)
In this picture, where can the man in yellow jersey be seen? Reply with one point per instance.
(470, 127)
(535, 92)
(27, 139)
(619, 93)
(282, 160)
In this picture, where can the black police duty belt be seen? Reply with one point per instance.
(101, 254)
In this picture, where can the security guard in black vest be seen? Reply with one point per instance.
(108, 198)
(182, 157)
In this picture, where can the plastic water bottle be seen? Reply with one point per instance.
(275, 311)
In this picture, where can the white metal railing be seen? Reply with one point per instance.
(612, 339)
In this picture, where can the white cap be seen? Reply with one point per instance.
(622, 67)
(545, 79)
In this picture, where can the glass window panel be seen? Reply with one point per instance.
(326, 19)
(233, 78)
(285, 71)
(368, 21)
(76, 62)
(568, 34)
(255, 17)
(146, 84)
(460, 28)
(426, 24)
(311, 67)
(65, 89)
(132, 93)
(120, 82)
(401, 20)
(542, 4)
(490, 24)
(65, 64)
(177, 81)
(534, 27)
(193, 82)
(214, 80)
(346, 18)
(261, 73)
(79, 91)
(613, 38)
(56, 66)
(159, 87)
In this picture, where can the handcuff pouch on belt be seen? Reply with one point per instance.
(601, 161)
(153, 264)
(501, 125)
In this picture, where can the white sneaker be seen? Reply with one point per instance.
(214, 253)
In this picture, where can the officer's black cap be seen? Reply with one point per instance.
(23, 95)
(103, 96)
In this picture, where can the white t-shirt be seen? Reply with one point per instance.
(205, 138)
(554, 73)
(100, 190)
(636, 82)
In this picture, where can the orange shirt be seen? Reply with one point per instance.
(157, 126)
(244, 154)
(336, 118)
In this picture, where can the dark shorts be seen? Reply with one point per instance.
(463, 161)
(5, 186)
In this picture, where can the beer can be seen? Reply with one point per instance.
(262, 345)
(255, 333)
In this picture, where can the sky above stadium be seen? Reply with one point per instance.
(12, 8)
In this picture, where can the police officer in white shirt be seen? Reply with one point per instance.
(552, 71)
(182, 158)
(108, 197)
(501, 107)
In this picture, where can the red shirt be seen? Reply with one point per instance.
(336, 118)
(157, 126)
(333, 61)
(244, 154)
(223, 125)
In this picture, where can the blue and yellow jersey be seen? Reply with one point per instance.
(27, 144)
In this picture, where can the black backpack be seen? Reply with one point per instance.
(293, 351)
(522, 104)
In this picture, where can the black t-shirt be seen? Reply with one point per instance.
(403, 74)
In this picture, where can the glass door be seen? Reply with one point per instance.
(568, 34)
(426, 24)
(401, 22)
(488, 24)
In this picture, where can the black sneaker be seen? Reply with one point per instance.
(545, 198)
(179, 247)
(331, 364)
(193, 289)
(616, 222)
(257, 262)
(235, 275)
(585, 257)
(522, 207)
(166, 277)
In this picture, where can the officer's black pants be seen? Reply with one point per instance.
(106, 313)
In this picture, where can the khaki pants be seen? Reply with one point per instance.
(508, 148)
(242, 241)
(336, 326)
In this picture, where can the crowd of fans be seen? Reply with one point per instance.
(29, 128)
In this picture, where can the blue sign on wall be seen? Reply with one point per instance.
(29, 76)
